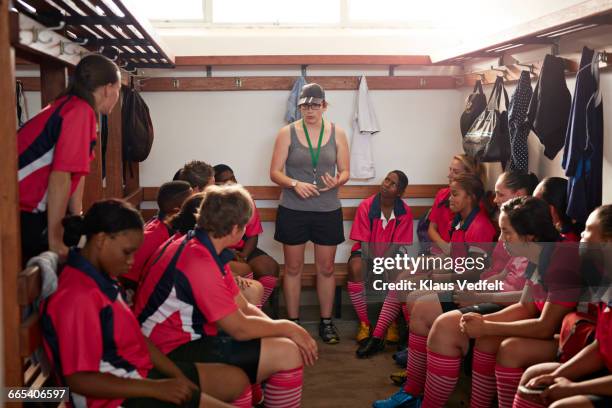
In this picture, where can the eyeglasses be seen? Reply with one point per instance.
(311, 106)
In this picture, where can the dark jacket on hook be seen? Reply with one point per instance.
(519, 128)
(583, 154)
(550, 105)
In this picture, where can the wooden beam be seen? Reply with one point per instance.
(10, 234)
(534, 28)
(284, 83)
(114, 155)
(131, 175)
(31, 84)
(346, 192)
(201, 61)
(53, 81)
(135, 198)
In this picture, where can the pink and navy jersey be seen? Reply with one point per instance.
(88, 327)
(156, 232)
(368, 224)
(515, 268)
(475, 229)
(556, 278)
(441, 214)
(185, 292)
(60, 138)
(603, 333)
(253, 228)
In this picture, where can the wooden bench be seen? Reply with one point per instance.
(29, 282)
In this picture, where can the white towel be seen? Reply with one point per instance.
(365, 125)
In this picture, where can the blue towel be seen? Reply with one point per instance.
(293, 112)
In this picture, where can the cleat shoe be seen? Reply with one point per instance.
(398, 377)
(328, 332)
(401, 358)
(363, 334)
(371, 347)
(400, 399)
(392, 336)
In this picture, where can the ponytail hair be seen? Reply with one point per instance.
(108, 216)
(531, 216)
(187, 217)
(92, 72)
(516, 180)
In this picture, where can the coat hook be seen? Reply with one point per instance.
(176, 83)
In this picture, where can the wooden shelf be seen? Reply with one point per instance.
(548, 29)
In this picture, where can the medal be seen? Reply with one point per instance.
(314, 157)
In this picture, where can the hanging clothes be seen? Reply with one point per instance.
(293, 111)
(519, 128)
(365, 125)
(550, 105)
(583, 155)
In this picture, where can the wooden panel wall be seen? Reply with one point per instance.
(10, 250)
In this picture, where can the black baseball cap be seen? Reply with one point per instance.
(312, 93)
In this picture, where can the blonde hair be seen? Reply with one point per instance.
(472, 166)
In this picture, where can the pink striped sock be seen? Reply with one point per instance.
(442, 375)
(416, 368)
(269, 283)
(248, 276)
(390, 310)
(522, 402)
(483, 379)
(284, 389)
(406, 314)
(244, 400)
(508, 380)
(356, 292)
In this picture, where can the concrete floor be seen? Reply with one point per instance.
(340, 380)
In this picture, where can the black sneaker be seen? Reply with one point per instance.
(373, 346)
(328, 332)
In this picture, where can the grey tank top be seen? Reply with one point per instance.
(298, 166)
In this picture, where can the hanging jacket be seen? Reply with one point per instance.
(519, 129)
(365, 125)
(293, 112)
(583, 155)
(550, 105)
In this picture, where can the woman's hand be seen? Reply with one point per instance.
(560, 388)
(331, 182)
(472, 325)
(306, 190)
(305, 342)
(175, 390)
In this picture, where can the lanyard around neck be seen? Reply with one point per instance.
(314, 157)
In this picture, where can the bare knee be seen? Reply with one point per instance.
(293, 268)
(510, 352)
(420, 319)
(265, 265)
(445, 333)
(578, 401)
(325, 268)
(537, 370)
(222, 381)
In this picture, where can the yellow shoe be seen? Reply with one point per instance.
(398, 377)
(363, 333)
(392, 334)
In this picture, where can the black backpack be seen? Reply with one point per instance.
(136, 127)
(475, 104)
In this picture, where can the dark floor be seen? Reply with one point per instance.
(341, 380)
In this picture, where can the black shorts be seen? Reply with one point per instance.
(256, 252)
(298, 227)
(222, 349)
(190, 371)
(447, 304)
(600, 401)
(33, 235)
